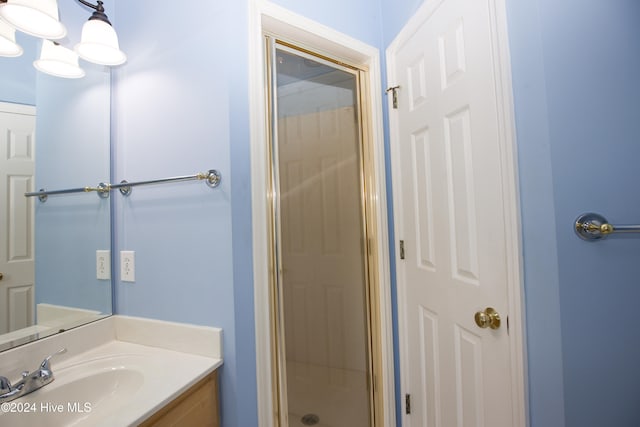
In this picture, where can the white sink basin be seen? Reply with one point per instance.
(117, 384)
(80, 393)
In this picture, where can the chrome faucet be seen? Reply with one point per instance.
(30, 381)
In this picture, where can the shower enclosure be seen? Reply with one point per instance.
(321, 288)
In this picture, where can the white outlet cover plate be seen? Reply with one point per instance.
(128, 266)
(103, 264)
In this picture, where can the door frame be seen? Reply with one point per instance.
(508, 161)
(264, 17)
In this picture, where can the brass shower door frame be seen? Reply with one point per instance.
(369, 220)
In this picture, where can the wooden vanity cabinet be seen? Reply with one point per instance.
(198, 406)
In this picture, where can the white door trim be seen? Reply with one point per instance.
(10, 107)
(266, 16)
(507, 142)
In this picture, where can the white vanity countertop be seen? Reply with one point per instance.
(116, 371)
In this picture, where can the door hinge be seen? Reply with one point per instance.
(401, 249)
(394, 91)
(407, 403)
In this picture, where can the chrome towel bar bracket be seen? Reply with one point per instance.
(592, 226)
(101, 189)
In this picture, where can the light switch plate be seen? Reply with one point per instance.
(128, 266)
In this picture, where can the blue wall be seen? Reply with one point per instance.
(18, 82)
(396, 14)
(590, 61)
(576, 112)
(181, 105)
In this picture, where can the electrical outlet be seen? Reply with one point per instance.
(128, 266)
(103, 265)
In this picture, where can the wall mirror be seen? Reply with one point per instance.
(55, 135)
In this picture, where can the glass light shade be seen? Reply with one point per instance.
(35, 17)
(8, 45)
(99, 44)
(58, 61)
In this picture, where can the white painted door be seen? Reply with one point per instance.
(17, 168)
(449, 180)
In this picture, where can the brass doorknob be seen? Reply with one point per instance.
(489, 318)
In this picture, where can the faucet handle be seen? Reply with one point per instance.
(45, 363)
(5, 385)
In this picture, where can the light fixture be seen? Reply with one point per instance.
(99, 41)
(35, 17)
(8, 45)
(58, 61)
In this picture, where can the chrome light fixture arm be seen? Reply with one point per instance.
(99, 11)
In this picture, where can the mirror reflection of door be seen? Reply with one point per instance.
(17, 168)
(323, 283)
